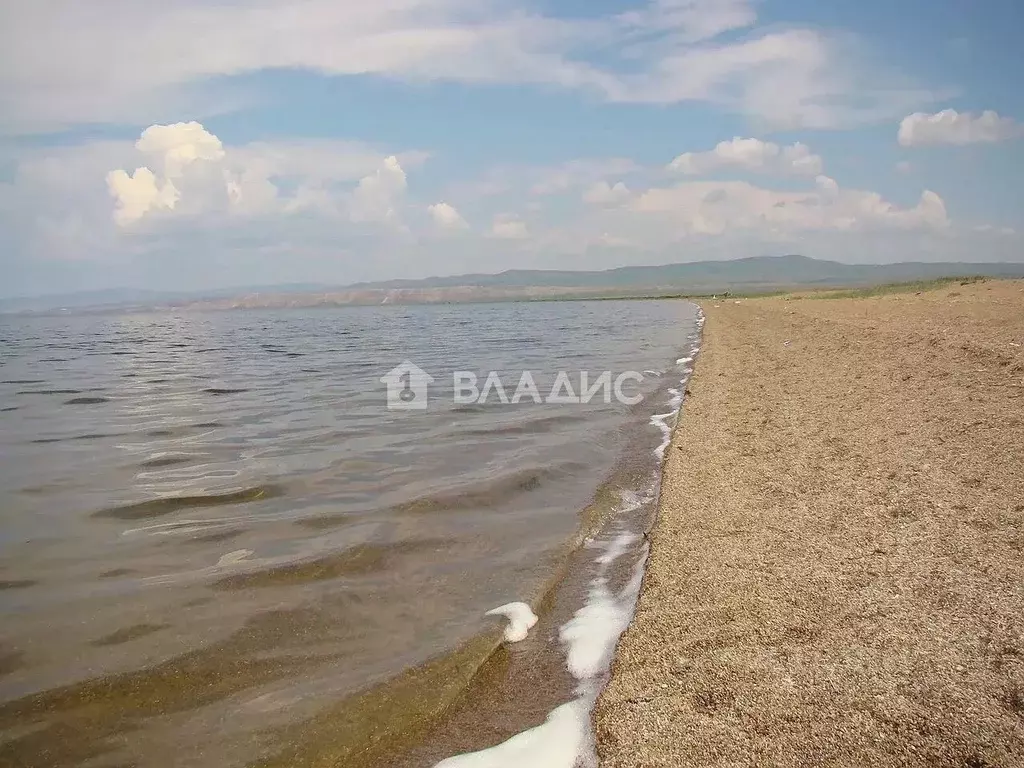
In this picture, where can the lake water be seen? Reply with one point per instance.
(219, 546)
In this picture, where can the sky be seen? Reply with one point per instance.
(203, 144)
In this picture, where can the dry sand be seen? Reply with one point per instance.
(837, 575)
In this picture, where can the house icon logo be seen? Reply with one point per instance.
(407, 387)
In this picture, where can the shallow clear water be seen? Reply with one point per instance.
(213, 527)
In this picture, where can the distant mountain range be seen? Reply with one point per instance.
(760, 273)
(737, 274)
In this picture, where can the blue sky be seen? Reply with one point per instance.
(195, 145)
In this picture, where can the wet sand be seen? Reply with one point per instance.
(837, 572)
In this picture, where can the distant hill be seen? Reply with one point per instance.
(139, 297)
(736, 274)
(699, 277)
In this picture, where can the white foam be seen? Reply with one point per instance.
(660, 420)
(565, 738)
(591, 634)
(617, 548)
(234, 557)
(684, 360)
(521, 619)
(557, 743)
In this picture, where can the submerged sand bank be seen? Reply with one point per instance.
(837, 573)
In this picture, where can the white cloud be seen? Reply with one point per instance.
(378, 195)
(138, 194)
(172, 149)
(958, 128)
(508, 227)
(786, 79)
(188, 171)
(994, 230)
(714, 208)
(750, 155)
(178, 145)
(691, 20)
(602, 193)
(446, 217)
(122, 62)
(233, 222)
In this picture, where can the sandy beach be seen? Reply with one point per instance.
(837, 572)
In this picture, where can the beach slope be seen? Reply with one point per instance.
(837, 573)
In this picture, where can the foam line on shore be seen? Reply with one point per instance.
(565, 739)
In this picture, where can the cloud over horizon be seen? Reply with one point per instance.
(338, 142)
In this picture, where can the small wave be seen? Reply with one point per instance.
(91, 400)
(182, 430)
(127, 634)
(17, 583)
(167, 505)
(224, 390)
(116, 573)
(216, 538)
(23, 381)
(167, 460)
(489, 493)
(469, 408)
(49, 392)
(533, 426)
(86, 436)
(358, 561)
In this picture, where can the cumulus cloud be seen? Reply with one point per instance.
(178, 145)
(956, 128)
(750, 155)
(188, 171)
(602, 193)
(171, 149)
(377, 196)
(508, 227)
(138, 194)
(446, 217)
